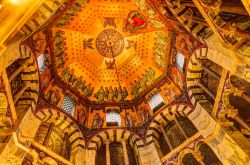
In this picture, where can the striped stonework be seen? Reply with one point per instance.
(64, 123)
(164, 117)
(47, 9)
(29, 75)
(194, 71)
(113, 135)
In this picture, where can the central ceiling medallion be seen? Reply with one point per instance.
(110, 43)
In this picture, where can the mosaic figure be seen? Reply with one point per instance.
(129, 120)
(97, 121)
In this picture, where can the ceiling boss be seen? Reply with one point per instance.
(110, 43)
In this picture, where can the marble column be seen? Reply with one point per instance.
(245, 97)
(199, 157)
(233, 113)
(46, 138)
(242, 122)
(209, 71)
(107, 153)
(125, 152)
(205, 89)
(181, 129)
(166, 137)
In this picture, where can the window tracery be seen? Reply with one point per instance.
(113, 118)
(68, 105)
(156, 102)
(42, 64)
(180, 61)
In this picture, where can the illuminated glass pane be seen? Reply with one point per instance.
(113, 118)
(41, 63)
(156, 102)
(68, 105)
(180, 60)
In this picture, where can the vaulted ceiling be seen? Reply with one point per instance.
(111, 51)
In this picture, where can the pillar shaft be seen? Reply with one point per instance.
(208, 70)
(198, 156)
(107, 153)
(125, 152)
(166, 138)
(245, 97)
(242, 122)
(46, 138)
(181, 129)
(205, 89)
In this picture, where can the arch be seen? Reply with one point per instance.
(189, 158)
(197, 95)
(208, 155)
(31, 73)
(98, 139)
(184, 153)
(24, 81)
(164, 117)
(63, 122)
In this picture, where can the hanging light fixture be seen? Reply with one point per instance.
(115, 67)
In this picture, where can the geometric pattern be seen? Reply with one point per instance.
(68, 105)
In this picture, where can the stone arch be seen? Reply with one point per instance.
(24, 80)
(165, 117)
(188, 158)
(194, 73)
(208, 155)
(115, 139)
(162, 117)
(98, 139)
(65, 123)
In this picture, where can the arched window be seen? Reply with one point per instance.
(156, 102)
(42, 64)
(179, 61)
(113, 118)
(68, 105)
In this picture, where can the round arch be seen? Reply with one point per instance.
(112, 135)
(65, 123)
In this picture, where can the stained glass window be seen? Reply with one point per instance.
(113, 118)
(42, 64)
(180, 60)
(68, 105)
(156, 102)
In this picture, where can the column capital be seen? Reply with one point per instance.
(123, 140)
(232, 112)
(198, 156)
(238, 92)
